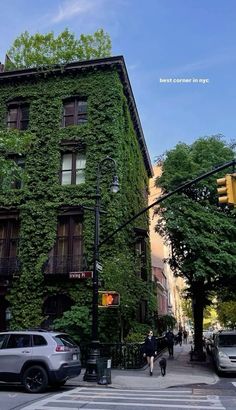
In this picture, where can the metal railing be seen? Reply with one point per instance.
(63, 265)
(123, 355)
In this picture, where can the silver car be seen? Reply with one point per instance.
(38, 358)
(224, 351)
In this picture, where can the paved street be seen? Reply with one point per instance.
(187, 385)
(105, 398)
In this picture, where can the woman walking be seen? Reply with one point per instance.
(150, 349)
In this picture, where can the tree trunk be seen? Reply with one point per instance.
(198, 307)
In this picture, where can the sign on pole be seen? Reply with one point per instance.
(99, 266)
(81, 275)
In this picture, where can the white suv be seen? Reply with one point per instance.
(224, 351)
(38, 358)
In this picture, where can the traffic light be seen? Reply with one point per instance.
(227, 189)
(109, 299)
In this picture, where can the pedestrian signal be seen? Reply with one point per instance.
(109, 299)
(227, 189)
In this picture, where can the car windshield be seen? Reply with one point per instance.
(227, 340)
(65, 340)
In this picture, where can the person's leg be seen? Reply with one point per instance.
(172, 349)
(151, 364)
(148, 360)
(169, 349)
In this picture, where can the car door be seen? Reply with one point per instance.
(15, 352)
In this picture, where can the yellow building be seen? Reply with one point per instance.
(169, 287)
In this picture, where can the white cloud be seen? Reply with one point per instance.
(71, 8)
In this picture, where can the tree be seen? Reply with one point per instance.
(201, 234)
(36, 50)
(76, 321)
(227, 313)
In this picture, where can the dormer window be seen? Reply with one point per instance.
(75, 112)
(18, 116)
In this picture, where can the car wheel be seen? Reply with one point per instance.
(35, 379)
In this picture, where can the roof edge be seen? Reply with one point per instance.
(86, 64)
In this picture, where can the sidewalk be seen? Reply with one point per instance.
(180, 372)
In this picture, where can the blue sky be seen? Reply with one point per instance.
(160, 39)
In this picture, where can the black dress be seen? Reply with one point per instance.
(150, 346)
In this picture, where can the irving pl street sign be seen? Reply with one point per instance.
(81, 275)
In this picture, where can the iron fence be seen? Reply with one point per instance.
(123, 355)
(63, 265)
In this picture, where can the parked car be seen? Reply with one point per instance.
(224, 351)
(37, 359)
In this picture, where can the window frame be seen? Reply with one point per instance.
(67, 254)
(76, 113)
(17, 335)
(73, 170)
(12, 224)
(19, 106)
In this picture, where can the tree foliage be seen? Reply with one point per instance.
(29, 51)
(76, 322)
(227, 313)
(226, 302)
(201, 234)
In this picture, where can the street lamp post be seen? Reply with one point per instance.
(94, 353)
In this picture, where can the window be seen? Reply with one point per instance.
(2, 338)
(16, 341)
(64, 340)
(18, 116)
(67, 253)
(73, 168)
(9, 232)
(140, 248)
(141, 313)
(39, 340)
(75, 112)
(227, 340)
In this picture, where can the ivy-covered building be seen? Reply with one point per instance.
(76, 115)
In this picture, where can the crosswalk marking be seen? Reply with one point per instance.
(108, 389)
(105, 399)
(112, 404)
(158, 397)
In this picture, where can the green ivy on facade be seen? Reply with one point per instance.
(108, 131)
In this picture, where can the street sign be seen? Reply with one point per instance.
(81, 275)
(99, 266)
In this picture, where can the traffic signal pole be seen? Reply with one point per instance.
(180, 188)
